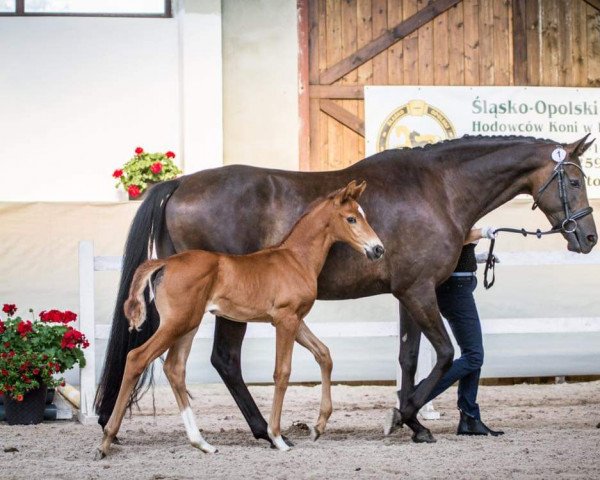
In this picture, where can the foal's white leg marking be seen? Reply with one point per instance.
(277, 441)
(193, 432)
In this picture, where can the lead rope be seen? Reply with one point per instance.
(490, 263)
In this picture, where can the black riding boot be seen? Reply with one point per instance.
(471, 426)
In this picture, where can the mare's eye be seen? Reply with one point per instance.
(575, 183)
(351, 219)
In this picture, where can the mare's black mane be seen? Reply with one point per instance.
(468, 139)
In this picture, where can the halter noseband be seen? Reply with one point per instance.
(568, 225)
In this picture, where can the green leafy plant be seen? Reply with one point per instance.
(144, 168)
(35, 352)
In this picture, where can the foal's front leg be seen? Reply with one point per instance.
(308, 340)
(285, 333)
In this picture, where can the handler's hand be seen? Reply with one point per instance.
(488, 232)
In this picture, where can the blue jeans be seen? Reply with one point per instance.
(457, 305)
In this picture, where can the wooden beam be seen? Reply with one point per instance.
(594, 3)
(391, 36)
(347, 92)
(303, 82)
(343, 116)
(519, 42)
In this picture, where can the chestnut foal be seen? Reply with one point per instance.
(276, 285)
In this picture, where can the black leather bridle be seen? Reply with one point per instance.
(567, 225)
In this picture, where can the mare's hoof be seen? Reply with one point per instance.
(99, 455)
(392, 422)
(314, 434)
(423, 436)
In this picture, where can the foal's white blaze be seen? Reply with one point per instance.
(278, 441)
(193, 433)
(362, 212)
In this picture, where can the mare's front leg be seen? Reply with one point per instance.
(285, 333)
(422, 314)
(410, 340)
(308, 340)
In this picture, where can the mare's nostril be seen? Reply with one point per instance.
(379, 251)
(592, 239)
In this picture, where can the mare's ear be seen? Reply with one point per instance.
(358, 191)
(343, 194)
(577, 148)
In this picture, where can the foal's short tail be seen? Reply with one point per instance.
(135, 305)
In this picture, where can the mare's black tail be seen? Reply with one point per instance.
(146, 225)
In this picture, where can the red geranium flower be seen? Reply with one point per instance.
(56, 316)
(19, 398)
(134, 191)
(170, 154)
(36, 371)
(2, 328)
(72, 338)
(5, 372)
(118, 173)
(9, 309)
(139, 150)
(156, 168)
(24, 327)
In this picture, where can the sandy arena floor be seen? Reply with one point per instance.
(552, 431)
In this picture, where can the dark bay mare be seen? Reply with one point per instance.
(422, 202)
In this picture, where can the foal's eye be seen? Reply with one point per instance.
(351, 219)
(575, 183)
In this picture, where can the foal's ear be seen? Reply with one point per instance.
(576, 149)
(343, 194)
(358, 190)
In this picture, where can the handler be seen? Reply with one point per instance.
(457, 305)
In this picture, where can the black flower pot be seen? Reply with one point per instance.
(28, 411)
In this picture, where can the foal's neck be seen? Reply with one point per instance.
(310, 239)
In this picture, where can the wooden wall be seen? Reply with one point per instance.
(471, 42)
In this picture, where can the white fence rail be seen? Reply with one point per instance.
(89, 264)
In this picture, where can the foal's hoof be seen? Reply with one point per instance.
(392, 422)
(99, 455)
(314, 434)
(287, 441)
(205, 447)
(423, 436)
(278, 442)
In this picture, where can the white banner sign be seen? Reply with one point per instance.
(410, 116)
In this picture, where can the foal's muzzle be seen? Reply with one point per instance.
(375, 253)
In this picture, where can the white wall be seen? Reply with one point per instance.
(260, 78)
(77, 95)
